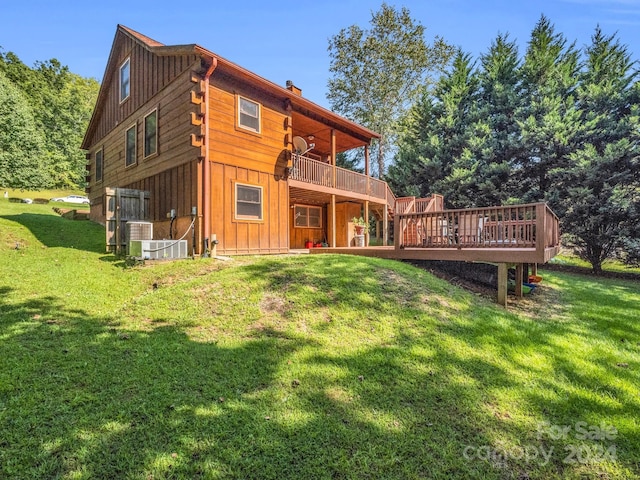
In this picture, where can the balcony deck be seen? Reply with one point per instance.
(309, 174)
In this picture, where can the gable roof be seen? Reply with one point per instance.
(297, 102)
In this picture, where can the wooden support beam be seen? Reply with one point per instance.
(385, 226)
(519, 274)
(366, 219)
(333, 157)
(333, 220)
(196, 140)
(534, 269)
(503, 270)
(196, 119)
(366, 160)
(196, 98)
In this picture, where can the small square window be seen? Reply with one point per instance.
(151, 134)
(130, 150)
(99, 164)
(125, 80)
(307, 217)
(248, 202)
(249, 114)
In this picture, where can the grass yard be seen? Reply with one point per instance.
(302, 367)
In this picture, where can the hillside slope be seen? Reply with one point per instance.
(301, 367)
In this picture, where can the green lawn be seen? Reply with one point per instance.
(610, 265)
(301, 367)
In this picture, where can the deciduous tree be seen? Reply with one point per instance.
(377, 73)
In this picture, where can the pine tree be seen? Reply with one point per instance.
(601, 185)
(550, 119)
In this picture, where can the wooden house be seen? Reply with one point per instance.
(249, 167)
(220, 145)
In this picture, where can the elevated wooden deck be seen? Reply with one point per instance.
(515, 235)
(486, 255)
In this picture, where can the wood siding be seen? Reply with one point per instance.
(174, 149)
(238, 155)
(149, 74)
(237, 237)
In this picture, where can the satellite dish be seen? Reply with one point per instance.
(300, 145)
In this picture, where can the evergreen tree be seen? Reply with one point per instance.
(600, 185)
(549, 119)
(499, 105)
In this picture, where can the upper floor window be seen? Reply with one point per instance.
(248, 202)
(151, 134)
(248, 114)
(130, 146)
(99, 164)
(125, 80)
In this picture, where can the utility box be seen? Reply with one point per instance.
(158, 249)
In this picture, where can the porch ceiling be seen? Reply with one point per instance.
(311, 197)
(304, 126)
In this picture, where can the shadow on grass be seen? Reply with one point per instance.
(83, 396)
(55, 231)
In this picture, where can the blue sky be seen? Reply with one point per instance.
(282, 40)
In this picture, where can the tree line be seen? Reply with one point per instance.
(558, 124)
(44, 112)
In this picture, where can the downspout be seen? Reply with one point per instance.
(206, 169)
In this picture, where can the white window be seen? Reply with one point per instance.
(151, 134)
(99, 164)
(248, 202)
(307, 217)
(249, 115)
(125, 80)
(130, 146)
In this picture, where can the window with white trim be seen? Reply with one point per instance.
(248, 114)
(125, 80)
(99, 159)
(130, 146)
(248, 202)
(306, 216)
(151, 134)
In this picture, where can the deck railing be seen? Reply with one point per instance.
(319, 173)
(515, 226)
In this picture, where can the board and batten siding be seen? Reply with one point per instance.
(149, 74)
(242, 156)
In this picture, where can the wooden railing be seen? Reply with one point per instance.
(517, 226)
(391, 200)
(319, 173)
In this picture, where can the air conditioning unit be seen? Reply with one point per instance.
(158, 249)
(139, 231)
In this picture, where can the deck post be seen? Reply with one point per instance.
(333, 160)
(385, 227)
(366, 219)
(503, 270)
(333, 221)
(396, 232)
(519, 276)
(534, 269)
(540, 230)
(366, 161)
